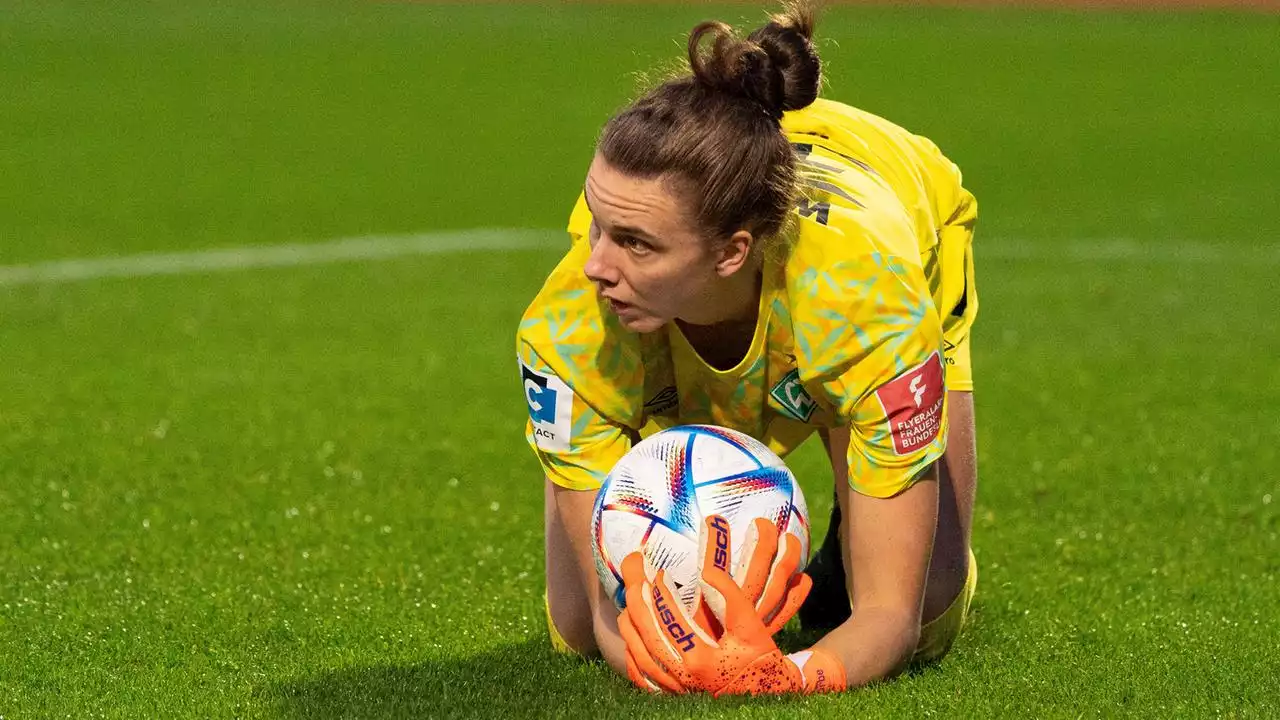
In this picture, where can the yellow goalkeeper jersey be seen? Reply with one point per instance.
(860, 298)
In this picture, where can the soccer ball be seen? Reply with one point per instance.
(656, 497)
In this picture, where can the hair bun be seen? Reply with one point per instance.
(776, 66)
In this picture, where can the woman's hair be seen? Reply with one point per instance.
(716, 134)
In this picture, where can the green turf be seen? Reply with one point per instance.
(302, 493)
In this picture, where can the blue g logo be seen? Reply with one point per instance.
(542, 401)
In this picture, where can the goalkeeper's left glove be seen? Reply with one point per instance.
(668, 651)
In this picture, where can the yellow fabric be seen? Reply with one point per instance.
(866, 292)
(557, 640)
(937, 636)
(956, 258)
(959, 363)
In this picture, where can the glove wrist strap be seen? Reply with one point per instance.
(820, 670)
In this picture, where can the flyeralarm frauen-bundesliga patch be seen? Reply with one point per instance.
(913, 404)
(550, 408)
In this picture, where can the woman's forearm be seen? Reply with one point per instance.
(873, 644)
(612, 647)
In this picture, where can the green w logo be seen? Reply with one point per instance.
(792, 396)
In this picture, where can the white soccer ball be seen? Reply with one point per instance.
(656, 497)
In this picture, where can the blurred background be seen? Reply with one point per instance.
(152, 125)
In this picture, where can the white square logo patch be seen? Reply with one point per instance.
(550, 408)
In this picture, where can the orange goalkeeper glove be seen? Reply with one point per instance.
(768, 576)
(668, 651)
(766, 572)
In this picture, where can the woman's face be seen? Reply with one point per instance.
(647, 260)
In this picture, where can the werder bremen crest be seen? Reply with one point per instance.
(791, 395)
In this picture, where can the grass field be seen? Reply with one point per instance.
(302, 491)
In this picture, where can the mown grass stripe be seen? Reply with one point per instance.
(383, 247)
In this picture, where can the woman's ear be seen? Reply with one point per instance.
(734, 253)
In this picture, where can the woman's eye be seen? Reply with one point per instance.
(636, 246)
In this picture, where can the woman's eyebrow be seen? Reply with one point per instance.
(622, 229)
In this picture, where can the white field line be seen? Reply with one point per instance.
(352, 249)
(382, 247)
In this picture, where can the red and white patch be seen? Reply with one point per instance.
(913, 403)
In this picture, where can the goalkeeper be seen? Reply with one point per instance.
(749, 255)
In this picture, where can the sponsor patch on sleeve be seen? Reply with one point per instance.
(550, 408)
(913, 404)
